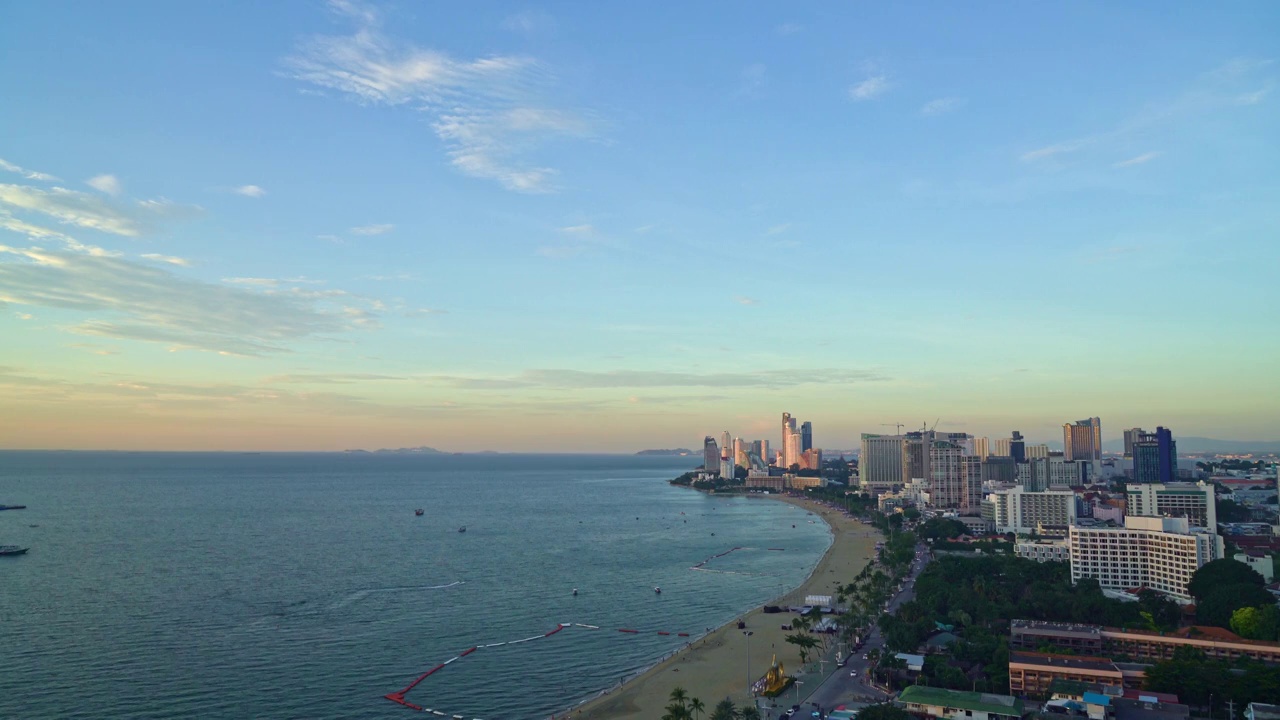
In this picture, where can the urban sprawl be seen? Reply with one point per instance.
(1068, 583)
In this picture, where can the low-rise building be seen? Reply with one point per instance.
(1144, 645)
(958, 704)
(1258, 561)
(766, 482)
(1128, 709)
(1032, 674)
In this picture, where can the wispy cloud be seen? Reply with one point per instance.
(377, 229)
(486, 110)
(424, 312)
(1253, 98)
(578, 379)
(1049, 151)
(171, 260)
(1139, 160)
(326, 378)
(579, 229)
(744, 300)
(24, 316)
(788, 28)
(941, 105)
(252, 191)
(150, 303)
(529, 22)
(108, 184)
(778, 229)
(93, 212)
(870, 88)
(28, 174)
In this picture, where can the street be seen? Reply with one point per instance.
(853, 692)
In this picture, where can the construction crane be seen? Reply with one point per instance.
(894, 425)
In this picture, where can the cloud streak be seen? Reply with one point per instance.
(941, 106)
(870, 88)
(1139, 160)
(93, 212)
(28, 174)
(578, 379)
(485, 110)
(249, 191)
(130, 300)
(108, 184)
(375, 229)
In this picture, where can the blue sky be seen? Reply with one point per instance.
(607, 226)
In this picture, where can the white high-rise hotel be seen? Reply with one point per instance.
(1155, 552)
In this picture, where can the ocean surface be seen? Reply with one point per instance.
(277, 586)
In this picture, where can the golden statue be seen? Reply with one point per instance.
(776, 678)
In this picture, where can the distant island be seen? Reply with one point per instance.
(423, 450)
(666, 451)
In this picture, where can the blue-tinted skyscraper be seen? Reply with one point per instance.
(1155, 457)
(806, 436)
(1168, 455)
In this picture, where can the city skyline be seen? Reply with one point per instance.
(323, 226)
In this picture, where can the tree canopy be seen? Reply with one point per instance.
(1222, 573)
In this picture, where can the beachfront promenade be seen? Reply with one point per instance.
(716, 666)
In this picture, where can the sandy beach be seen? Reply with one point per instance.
(714, 667)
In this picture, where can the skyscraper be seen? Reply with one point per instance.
(793, 449)
(726, 443)
(1017, 447)
(710, 455)
(740, 453)
(1083, 440)
(1130, 437)
(880, 462)
(1155, 457)
(806, 436)
(981, 447)
(788, 427)
(765, 455)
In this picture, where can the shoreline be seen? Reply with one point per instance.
(714, 666)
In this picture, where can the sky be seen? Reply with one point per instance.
(615, 226)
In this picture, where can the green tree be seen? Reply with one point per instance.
(676, 711)
(883, 711)
(724, 710)
(696, 708)
(805, 643)
(749, 713)
(1217, 607)
(1257, 623)
(1221, 573)
(1159, 611)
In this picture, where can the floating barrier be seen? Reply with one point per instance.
(398, 697)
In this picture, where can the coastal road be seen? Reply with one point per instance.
(841, 689)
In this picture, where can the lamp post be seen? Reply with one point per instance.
(748, 635)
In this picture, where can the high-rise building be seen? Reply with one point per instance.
(1036, 451)
(1082, 440)
(710, 455)
(1154, 552)
(793, 449)
(1155, 457)
(1019, 511)
(880, 462)
(806, 436)
(1002, 448)
(1193, 501)
(764, 452)
(955, 476)
(981, 447)
(1017, 447)
(1131, 436)
(726, 444)
(740, 453)
(726, 467)
(788, 427)
(1038, 474)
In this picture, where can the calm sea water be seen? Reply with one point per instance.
(302, 585)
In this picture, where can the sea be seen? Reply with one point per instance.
(288, 585)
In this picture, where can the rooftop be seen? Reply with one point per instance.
(1072, 662)
(982, 702)
(1056, 627)
(1126, 709)
(1263, 711)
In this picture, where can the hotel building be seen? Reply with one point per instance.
(1153, 552)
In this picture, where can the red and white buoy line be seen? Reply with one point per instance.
(701, 567)
(399, 695)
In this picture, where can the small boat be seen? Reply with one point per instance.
(13, 507)
(462, 529)
(657, 590)
(419, 512)
(13, 550)
(575, 592)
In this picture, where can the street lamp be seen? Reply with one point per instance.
(748, 634)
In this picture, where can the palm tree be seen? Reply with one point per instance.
(678, 695)
(725, 710)
(749, 713)
(676, 711)
(696, 708)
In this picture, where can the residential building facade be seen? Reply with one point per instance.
(1153, 552)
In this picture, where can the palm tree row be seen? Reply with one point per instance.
(683, 707)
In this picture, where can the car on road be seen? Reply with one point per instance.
(853, 673)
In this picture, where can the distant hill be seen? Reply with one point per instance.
(1208, 445)
(424, 450)
(666, 451)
